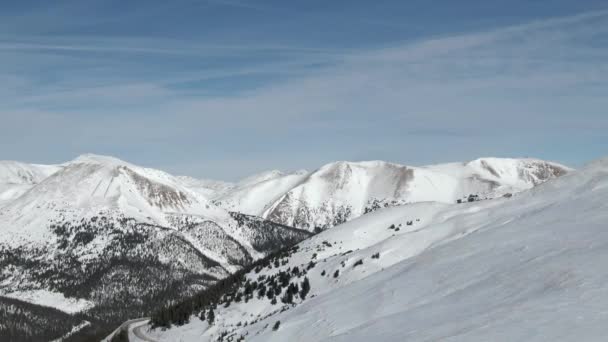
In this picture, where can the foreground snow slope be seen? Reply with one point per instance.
(341, 191)
(531, 267)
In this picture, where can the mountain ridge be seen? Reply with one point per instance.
(339, 191)
(512, 268)
(119, 239)
(318, 199)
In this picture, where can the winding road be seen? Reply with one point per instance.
(138, 330)
(135, 329)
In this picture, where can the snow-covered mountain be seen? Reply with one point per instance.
(16, 178)
(113, 240)
(255, 194)
(98, 232)
(207, 187)
(93, 184)
(528, 267)
(341, 191)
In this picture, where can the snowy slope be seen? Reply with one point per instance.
(90, 184)
(99, 226)
(340, 191)
(254, 195)
(206, 187)
(523, 268)
(16, 178)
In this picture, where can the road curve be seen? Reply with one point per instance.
(125, 325)
(137, 329)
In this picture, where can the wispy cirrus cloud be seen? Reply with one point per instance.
(522, 89)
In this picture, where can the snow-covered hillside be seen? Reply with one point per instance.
(97, 233)
(93, 184)
(341, 191)
(102, 232)
(255, 194)
(16, 178)
(207, 187)
(529, 267)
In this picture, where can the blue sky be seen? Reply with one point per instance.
(226, 88)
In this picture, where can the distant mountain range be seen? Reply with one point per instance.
(338, 192)
(111, 240)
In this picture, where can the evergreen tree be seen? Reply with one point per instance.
(270, 293)
(305, 288)
(248, 289)
(287, 297)
(293, 288)
(261, 291)
(211, 317)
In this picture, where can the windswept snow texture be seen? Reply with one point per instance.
(341, 191)
(527, 268)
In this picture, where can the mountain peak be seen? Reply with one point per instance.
(90, 158)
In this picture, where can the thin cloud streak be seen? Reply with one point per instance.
(499, 85)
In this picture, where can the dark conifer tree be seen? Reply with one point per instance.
(211, 317)
(305, 288)
(287, 297)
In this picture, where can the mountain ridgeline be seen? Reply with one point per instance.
(341, 191)
(103, 240)
(110, 241)
(522, 267)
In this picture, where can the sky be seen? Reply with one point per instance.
(227, 88)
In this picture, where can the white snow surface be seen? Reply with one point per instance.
(22, 173)
(526, 268)
(93, 187)
(341, 191)
(51, 299)
(16, 178)
(254, 195)
(207, 187)
(34, 196)
(90, 185)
